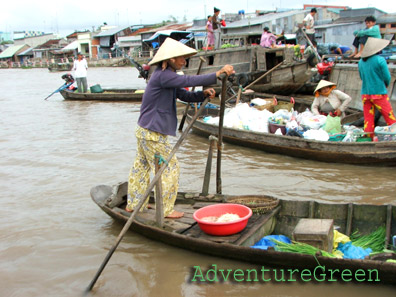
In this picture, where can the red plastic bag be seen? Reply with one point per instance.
(223, 23)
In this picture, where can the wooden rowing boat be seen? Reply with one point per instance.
(250, 62)
(359, 153)
(107, 95)
(281, 218)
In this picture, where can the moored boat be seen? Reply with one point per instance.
(58, 67)
(131, 95)
(345, 73)
(280, 218)
(251, 62)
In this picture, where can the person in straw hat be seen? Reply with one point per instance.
(158, 119)
(375, 76)
(329, 101)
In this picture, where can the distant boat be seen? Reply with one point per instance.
(58, 67)
(131, 95)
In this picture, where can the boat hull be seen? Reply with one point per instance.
(107, 95)
(287, 214)
(358, 153)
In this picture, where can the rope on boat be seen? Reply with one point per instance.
(161, 159)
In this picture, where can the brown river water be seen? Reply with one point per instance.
(53, 238)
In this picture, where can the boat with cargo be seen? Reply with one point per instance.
(275, 216)
(381, 153)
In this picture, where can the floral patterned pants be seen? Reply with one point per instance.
(380, 102)
(149, 144)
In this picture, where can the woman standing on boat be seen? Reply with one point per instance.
(158, 119)
(267, 38)
(375, 76)
(216, 28)
(209, 34)
(328, 100)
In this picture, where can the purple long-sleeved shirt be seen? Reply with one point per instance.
(158, 109)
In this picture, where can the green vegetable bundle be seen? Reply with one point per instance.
(300, 248)
(374, 240)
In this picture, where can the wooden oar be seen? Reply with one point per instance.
(202, 60)
(220, 136)
(145, 196)
(62, 87)
(311, 45)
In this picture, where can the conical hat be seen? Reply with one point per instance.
(172, 49)
(324, 83)
(373, 46)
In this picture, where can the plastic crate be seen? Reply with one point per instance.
(385, 133)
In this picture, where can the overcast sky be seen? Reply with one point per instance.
(65, 17)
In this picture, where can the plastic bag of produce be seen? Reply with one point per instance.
(332, 125)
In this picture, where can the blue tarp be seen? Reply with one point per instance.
(266, 242)
(353, 252)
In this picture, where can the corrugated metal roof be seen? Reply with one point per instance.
(71, 46)
(28, 52)
(385, 19)
(346, 20)
(166, 33)
(11, 51)
(262, 19)
(111, 32)
(335, 25)
(173, 27)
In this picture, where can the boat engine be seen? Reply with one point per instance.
(69, 82)
(68, 78)
(324, 68)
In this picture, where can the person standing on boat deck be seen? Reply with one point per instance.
(309, 22)
(267, 38)
(328, 100)
(80, 67)
(209, 33)
(158, 119)
(375, 76)
(371, 30)
(216, 28)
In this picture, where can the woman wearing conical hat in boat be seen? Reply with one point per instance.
(328, 100)
(375, 76)
(158, 119)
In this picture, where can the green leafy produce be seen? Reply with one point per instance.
(300, 248)
(228, 45)
(374, 240)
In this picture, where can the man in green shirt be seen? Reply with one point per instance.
(371, 30)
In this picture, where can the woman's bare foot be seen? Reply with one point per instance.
(357, 55)
(175, 215)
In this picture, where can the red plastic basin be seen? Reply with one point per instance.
(216, 210)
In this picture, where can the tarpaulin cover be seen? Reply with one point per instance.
(266, 242)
